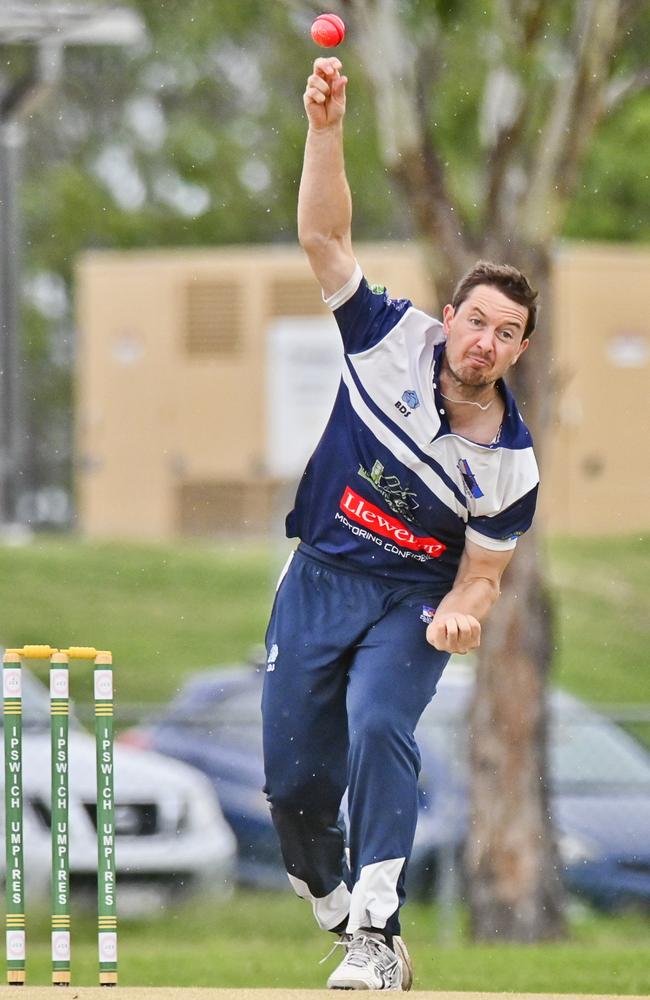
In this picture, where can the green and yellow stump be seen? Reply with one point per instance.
(60, 832)
(59, 711)
(15, 870)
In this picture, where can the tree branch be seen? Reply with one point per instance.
(576, 107)
(528, 24)
(588, 107)
(528, 17)
(621, 88)
(499, 159)
(389, 57)
(629, 11)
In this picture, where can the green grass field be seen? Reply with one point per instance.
(602, 603)
(165, 610)
(270, 940)
(162, 610)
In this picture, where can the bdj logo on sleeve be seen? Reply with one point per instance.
(273, 655)
(410, 397)
(409, 402)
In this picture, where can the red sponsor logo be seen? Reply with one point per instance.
(363, 512)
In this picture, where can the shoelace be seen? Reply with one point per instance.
(343, 941)
(358, 950)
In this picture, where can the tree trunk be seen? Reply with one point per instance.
(515, 892)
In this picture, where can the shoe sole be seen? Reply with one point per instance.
(407, 966)
(355, 984)
(358, 986)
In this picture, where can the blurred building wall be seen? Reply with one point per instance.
(597, 478)
(172, 399)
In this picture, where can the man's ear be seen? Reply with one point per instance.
(522, 347)
(447, 315)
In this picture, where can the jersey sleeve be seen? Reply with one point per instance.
(501, 531)
(364, 313)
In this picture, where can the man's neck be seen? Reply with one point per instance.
(477, 396)
(473, 411)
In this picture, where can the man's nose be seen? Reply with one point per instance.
(486, 340)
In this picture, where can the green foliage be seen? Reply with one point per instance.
(225, 86)
(463, 42)
(197, 137)
(612, 201)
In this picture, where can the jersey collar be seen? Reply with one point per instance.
(514, 433)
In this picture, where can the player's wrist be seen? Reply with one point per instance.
(331, 128)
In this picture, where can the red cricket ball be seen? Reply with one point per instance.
(328, 30)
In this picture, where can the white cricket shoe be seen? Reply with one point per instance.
(369, 964)
(407, 965)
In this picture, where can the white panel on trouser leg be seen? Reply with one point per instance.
(329, 910)
(284, 571)
(374, 897)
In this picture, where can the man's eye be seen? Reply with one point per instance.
(475, 320)
(506, 335)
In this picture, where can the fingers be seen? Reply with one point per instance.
(327, 66)
(326, 80)
(461, 632)
(455, 633)
(324, 97)
(318, 89)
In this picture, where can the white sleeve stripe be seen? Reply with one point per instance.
(495, 544)
(349, 288)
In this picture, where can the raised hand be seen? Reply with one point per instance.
(324, 96)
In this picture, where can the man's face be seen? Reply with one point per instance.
(484, 335)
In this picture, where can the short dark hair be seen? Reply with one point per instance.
(508, 280)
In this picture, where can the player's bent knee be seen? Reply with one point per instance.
(314, 797)
(379, 727)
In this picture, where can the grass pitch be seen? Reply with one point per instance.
(269, 940)
(158, 993)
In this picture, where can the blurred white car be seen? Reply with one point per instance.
(171, 836)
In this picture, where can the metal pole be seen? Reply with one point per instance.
(48, 31)
(15, 105)
(12, 407)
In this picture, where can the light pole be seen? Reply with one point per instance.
(46, 28)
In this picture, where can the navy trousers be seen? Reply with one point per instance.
(348, 674)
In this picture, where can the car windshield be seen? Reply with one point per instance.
(235, 717)
(594, 753)
(586, 752)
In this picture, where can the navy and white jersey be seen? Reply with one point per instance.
(390, 488)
